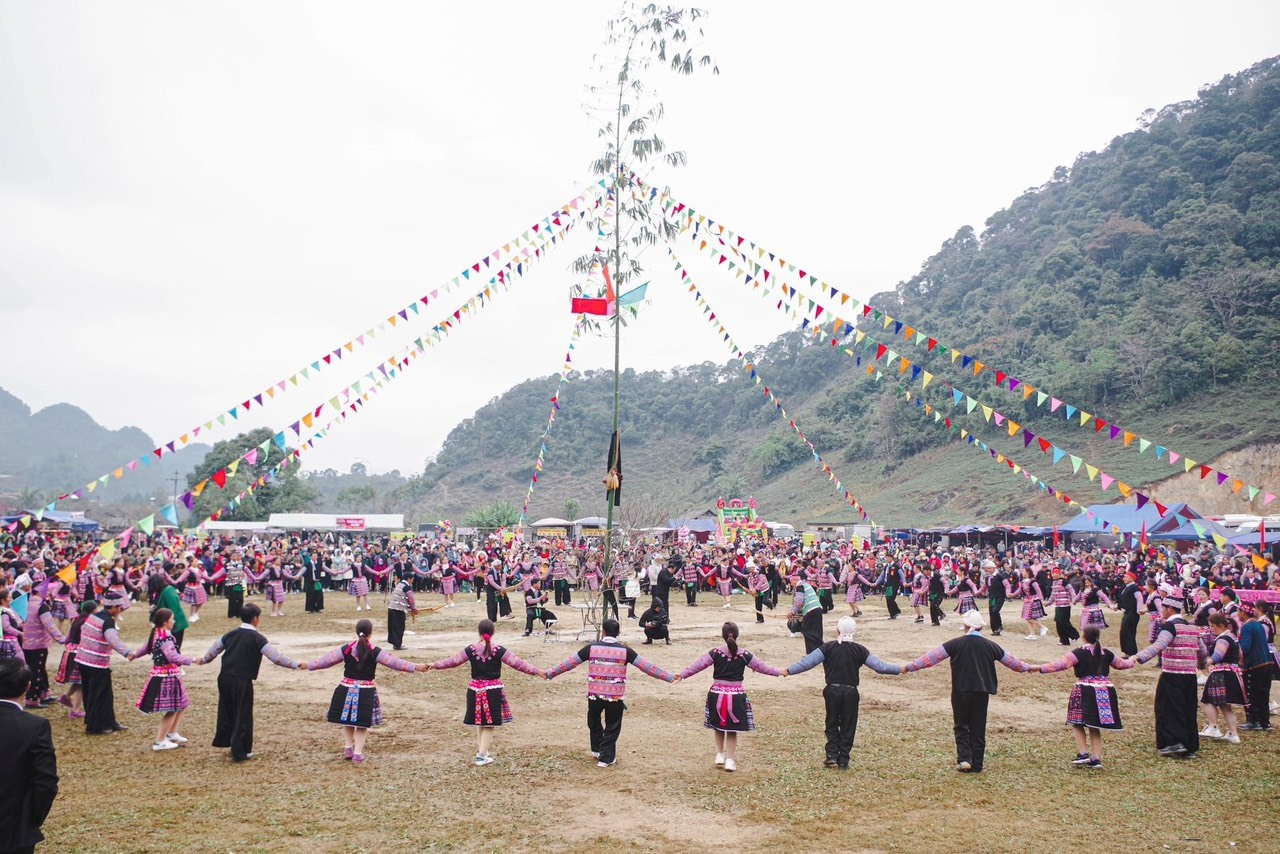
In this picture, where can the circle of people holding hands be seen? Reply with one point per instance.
(1197, 622)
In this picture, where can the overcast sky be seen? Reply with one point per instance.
(198, 199)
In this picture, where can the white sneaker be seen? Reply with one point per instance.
(1211, 731)
(195, 618)
(605, 764)
(164, 745)
(719, 758)
(1231, 738)
(1031, 637)
(1044, 630)
(729, 765)
(482, 759)
(595, 754)
(1200, 680)
(176, 738)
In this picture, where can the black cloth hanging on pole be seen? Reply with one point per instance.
(614, 468)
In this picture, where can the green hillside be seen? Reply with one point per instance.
(1139, 283)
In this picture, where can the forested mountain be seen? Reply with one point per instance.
(1140, 282)
(61, 448)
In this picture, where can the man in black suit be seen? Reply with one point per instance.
(656, 623)
(28, 767)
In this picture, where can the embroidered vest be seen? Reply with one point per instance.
(607, 672)
(1182, 654)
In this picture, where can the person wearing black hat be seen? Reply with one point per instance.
(1180, 646)
(656, 623)
(661, 586)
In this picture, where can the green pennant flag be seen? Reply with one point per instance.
(148, 525)
(1143, 444)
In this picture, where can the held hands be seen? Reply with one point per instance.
(902, 670)
(676, 679)
(302, 665)
(422, 668)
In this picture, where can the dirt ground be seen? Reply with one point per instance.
(419, 790)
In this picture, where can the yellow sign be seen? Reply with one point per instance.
(551, 532)
(807, 538)
(593, 532)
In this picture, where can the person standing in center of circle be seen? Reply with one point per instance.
(606, 687)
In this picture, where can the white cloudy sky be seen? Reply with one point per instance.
(198, 199)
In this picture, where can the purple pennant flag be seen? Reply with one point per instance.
(1222, 478)
(296, 427)
(188, 501)
(1051, 492)
(1013, 384)
(1027, 438)
(258, 399)
(169, 445)
(1142, 500)
(1115, 432)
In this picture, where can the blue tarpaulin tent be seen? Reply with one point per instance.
(1129, 519)
(57, 517)
(1188, 533)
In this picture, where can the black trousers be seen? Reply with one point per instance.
(969, 714)
(315, 598)
(828, 602)
(1257, 683)
(99, 700)
(762, 599)
(811, 628)
(891, 600)
(38, 661)
(539, 613)
(235, 715)
(610, 598)
(1067, 633)
(993, 614)
(395, 627)
(842, 721)
(691, 593)
(1176, 711)
(1129, 633)
(660, 633)
(177, 639)
(564, 595)
(235, 598)
(935, 609)
(496, 605)
(604, 723)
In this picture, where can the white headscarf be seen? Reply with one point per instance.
(845, 629)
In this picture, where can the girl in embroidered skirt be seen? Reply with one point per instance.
(1224, 690)
(967, 588)
(854, 579)
(1093, 705)
(193, 592)
(164, 694)
(1152, 598)
(1092, 598)
(355, 705)
(1032, 604)
(728, 711)
(68, 671)
(487, 706)
(11, 637)
(920, 595)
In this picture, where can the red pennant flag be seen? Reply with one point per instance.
(1045, 445)
(590, 306)
(220, 478)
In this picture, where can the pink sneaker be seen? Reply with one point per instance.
(74, 714)
(357, 758)
(348, 753)
(65, 700)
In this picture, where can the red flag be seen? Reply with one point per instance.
(609, 295)
(1056, 538)
(590, 306)
(1142, 541)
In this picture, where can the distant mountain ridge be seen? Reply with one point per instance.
(61, 448)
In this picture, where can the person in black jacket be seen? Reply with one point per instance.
(242, 650)
(28, 765)
(973, 681)
(840, 660)
(668, 577)
(1130, 602)
(656, 623)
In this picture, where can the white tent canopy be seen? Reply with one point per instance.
(338, 521)
(551, 522)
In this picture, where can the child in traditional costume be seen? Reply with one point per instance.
(165, 694)
(1093, 705)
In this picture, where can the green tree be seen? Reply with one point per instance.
(356, 498)
(571, 510)
(283, 492)
(500, 514)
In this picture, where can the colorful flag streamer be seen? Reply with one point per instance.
(752, 371)
(523, 247)
(723, 244)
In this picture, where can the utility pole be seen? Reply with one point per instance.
(175, 490)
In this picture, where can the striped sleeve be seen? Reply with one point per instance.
(702, 663)
(648, 668)
(929, 659)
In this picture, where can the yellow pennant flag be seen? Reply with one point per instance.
(1093, 471)
(986, 412)
(1260, 562)
(107, 550)
(67, 574)
(1125, 489)
(1128, 439)
(1014, 427)
(927, 378)
(955, 354)
(1027, 391)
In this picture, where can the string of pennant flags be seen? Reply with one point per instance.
(342, 403)
(522, 248)
(1016, 468)
(720, 240)
(752, 371)
(565, 370)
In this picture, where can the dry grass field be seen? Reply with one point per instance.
(420, 792)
